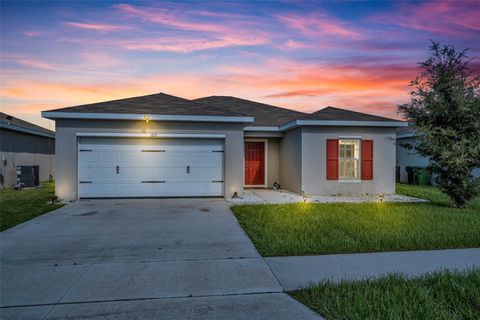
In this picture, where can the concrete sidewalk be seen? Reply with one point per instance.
(297, 272)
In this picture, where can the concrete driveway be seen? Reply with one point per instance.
(141, 258)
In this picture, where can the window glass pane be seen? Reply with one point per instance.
(349, 154)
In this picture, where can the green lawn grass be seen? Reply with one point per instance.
(441, 295)
(17, 206)
(313, 228)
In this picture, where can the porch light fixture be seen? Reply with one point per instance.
(146, 118)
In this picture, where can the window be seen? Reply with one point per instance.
(349, 158)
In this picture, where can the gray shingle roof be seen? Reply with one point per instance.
(331, 113)
(159, 103)
(7, 120)
(226, 106)
(264, 114)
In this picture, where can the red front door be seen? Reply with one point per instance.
(254, 163)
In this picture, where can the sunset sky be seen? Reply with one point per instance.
(297, 54)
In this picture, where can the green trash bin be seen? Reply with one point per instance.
(422, 177)
(416, 175)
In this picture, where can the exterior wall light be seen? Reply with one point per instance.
(146, 118)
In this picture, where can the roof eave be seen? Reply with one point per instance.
(342, 123)
(26, 130)
(406, 135)
(262, 128)
(154, 117)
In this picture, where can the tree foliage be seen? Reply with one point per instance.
(445, 107)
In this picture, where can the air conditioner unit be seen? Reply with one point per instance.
(28, 176)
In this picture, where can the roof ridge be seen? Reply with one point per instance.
(156, 103)
(265, 104)
(318, 112)
(114, 100)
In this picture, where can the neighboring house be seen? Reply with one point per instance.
(24, 144)
(163, 146)
(409, 157)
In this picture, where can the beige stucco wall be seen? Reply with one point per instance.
(290, 160)
(44, 161)
(273, 162)
(314, 161)
(66, 147)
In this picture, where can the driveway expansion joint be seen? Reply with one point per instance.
(144, 299)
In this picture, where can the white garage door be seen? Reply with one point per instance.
(149, 168)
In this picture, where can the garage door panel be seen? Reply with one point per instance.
(141, 158)
(161, 173)
(161, 189)
(215, 173)
(128, 172)
(160, 157)
(196, 172)
(177, 188)
(107, 173)
(88, 173)
(146, 172)
(134, 189)
(214, 157)
(207, 188)
(197, 157)
(106, 157)
(134, 157)
(177, 157)
(88, 156)
(97, 190)
(150, 170)
(87, 188)
(178, 172)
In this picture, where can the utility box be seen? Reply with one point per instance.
(28, 176)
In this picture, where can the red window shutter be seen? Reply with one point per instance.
(367, 159)
(332, 159)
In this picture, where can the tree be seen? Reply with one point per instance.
(445, 107)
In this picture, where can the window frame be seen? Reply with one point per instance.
(358, 159)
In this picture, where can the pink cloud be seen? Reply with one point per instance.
(443, 17)
(100, 60)
(97, 26)
(226, 30)
(30, 62)
(32, 33)
(297, 93)
(168, 18)
(294, 45)
(319, 25)
(189, 44)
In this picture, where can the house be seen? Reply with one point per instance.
(410, 158)
(164, 146)
(24, 144)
